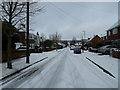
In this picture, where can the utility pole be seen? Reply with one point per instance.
(56, 40)
(82, 45)
(28, 53)
(84, 34)
(41, 40)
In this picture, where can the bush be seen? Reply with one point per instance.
(48, 43)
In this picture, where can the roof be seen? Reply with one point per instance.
(115, 25)
(22, 31)
(95, 36)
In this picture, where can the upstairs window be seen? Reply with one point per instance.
(109, 33)
(115, 31)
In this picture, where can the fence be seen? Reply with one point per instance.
(14, 55)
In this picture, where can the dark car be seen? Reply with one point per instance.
(77, 50)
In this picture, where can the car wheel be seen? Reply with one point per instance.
(107, 52)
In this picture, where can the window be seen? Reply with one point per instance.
(109, 33)
(115, 31)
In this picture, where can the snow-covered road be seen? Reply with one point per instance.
(65, 70)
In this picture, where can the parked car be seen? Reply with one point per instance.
(48, 49)
(22, 48)
(77, 50)
(72, 47)
(105, 49)
(91, 49)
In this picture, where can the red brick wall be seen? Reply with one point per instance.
(114, 37)
(95, 40)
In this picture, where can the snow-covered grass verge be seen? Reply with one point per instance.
(105, 61)
(21, 62)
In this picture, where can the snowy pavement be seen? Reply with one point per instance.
(20, 62)
(106, 61)
(65, 69)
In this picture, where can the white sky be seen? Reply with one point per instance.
(72, 18)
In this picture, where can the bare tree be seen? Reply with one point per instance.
(42, 39)
(55, 38)
(43, 36)
(15, 14)
(74, 40)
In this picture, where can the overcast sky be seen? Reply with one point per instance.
(72, 18)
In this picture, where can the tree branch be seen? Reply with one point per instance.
(20, 11)
(18, 21)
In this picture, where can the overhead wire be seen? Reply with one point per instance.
(66, 13)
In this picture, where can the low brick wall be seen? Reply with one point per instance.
(116, 54)
(15, 55)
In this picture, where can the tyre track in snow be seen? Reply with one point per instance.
(41, 79)
(25, 75)
(56, 78)
(77, 80)
(64, 74)
(52, 72)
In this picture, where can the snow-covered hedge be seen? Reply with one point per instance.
(115, 49)
(116, 53)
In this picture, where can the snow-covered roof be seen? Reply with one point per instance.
(61, 44)
(22, 31)
(115, 25)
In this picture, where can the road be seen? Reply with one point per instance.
(65, 70)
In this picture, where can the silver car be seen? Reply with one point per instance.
(72, 47)
(105, 49)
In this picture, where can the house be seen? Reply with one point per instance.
(104, 38)
(37, 40)
(32, 39)
(113, 38)
(113, 35)
(95, 41)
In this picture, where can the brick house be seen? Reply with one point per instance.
(113, 35)
(95, 41)
(104, 38)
